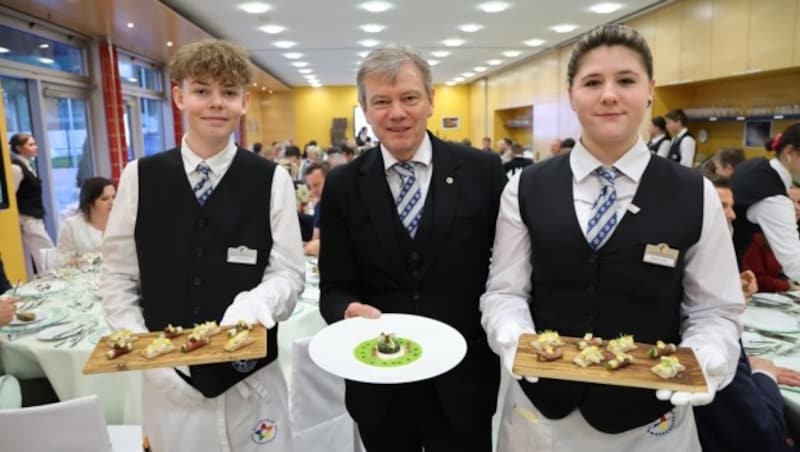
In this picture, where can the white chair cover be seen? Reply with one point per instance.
(320, 422)
(76, 425)
(10, 393)
(48, 257)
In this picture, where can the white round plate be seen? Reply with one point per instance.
(772, 299)
(39, 288)
(52, 315)
(753, 341)
(770, 320)
(40, 314)
(443, 347)
(58, 332)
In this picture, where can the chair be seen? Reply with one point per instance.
(76, 425)
(48, 258)
(320, 422)
(10, 393)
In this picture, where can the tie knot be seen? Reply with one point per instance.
(607, 175)
(203, 168)
(404, 168)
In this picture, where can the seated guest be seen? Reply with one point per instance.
(315, 178)
(726, 161)
(83, 232)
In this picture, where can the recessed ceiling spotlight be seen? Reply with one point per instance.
(46, 60)
(511, 53)
(305, 71)
(493, 7)
(605, 8)
(299, 64)
(270, 91)
(375, 6)
(263, 88)
(440, 53)
(284, 44)
(272, 29)
(563, 28)
(458, 79)
(494, 62)
(534, 42)
(133, 79)
(254, 7)
(450, 83)
(363, 54)
(316, 84)
(4, 50)
(470, 28)
(468, 74)
(169, 44)
(130, 25)
(479, 69)
(255, 84)
(369, 42)
(310, 77)
(453, 42)
(433, 62)
(44, 46)
(372, 28)
(293, 55)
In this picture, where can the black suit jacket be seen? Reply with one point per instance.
(441, 275)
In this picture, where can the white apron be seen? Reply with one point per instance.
(253, 415)
(524, 429)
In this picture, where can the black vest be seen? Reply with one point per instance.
(182, 249)
(516, 165)
(753, 181)
(653, 146)
(675, 147)
(611, 291)
(29, 194)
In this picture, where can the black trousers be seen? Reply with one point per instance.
(415, 422)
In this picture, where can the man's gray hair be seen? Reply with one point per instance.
(387, 61)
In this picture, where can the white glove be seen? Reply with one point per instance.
(249, 308)
(508, 340)
(174, 388)
(714, 368)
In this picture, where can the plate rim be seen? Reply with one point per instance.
(771, 312)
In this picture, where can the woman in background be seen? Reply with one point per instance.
(83, 232)
(28, 188)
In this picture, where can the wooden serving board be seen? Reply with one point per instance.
(209, 354)
(637, 375)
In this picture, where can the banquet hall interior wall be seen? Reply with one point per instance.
(741, 53)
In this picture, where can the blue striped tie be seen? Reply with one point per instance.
(408, 206)
(603, 217)
(203, 188)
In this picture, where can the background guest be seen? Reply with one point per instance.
(83, 232)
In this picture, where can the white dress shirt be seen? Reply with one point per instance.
(76, 236)
(119, 284)
(713, 297)
(422, 170)
(687, 148)
(663, 148)
(775, 216)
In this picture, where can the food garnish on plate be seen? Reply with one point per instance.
(388, 347)
(622, 344)
(589, 355)
(661, 349)
(119, 349)
(589, 340)
(160, 346)
(669, 367)
(619, 361)
(26, 316)
(171, 332)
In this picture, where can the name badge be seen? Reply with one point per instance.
(242, 255)
(660, 254)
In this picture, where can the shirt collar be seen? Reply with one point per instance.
(218, 162)
(424, 154)
(786, 177)
(631, 164)
(656, 138)
(682, 132)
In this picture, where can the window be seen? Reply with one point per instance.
(27, 48)
(131, 73)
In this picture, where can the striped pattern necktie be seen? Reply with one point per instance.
(409, 207)
(203, 188)
(603, 218)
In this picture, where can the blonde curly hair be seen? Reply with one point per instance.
(219, 60)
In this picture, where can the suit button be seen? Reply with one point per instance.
(196, 310)
(593, 258)
(416, 296)
(201, 223)
(415, 274)
(590, 288)
(199, 252)
(413, 257)
(196, 281)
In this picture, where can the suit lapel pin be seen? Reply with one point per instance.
(449, 180)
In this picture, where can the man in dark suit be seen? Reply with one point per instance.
(408, 228)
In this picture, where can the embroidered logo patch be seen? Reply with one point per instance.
(244, 366)
(662, 425)
(265, 431)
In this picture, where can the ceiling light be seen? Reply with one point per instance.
(470, 28)
(479, 68)
(133, 79)
(169, 44)
(272, 29)
(468, 74)
(440, 53)
(605, 8)
(299, 64)
(493, 7)
(494, 62)
(46, 60)
(284, 44)
(316, 85)
(363, 54)
(453, 42)
(293, 55)
(254, 7)
(305, 71)
(310, 77)
(255, 84)
(511, 53)
(432, 62)
(372, 28)
(263, 88)
(369, 42)
(534, 42)
(44, 46)
(450, 83)
(563, 28)
(375, 6)
(270, 91)
(130, 25)
(4, 50)
(458, 79)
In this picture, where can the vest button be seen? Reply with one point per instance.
(415, 296)
(201, 223)
(593, 258)
(196, 281)
(199, 252)
(590, 288)
(413, 258)
(196, 310)
(415, 274)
